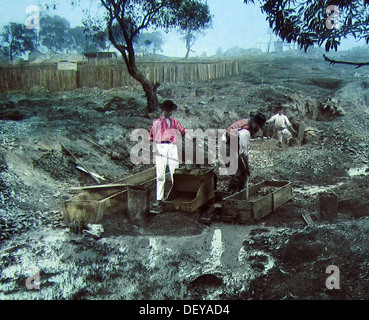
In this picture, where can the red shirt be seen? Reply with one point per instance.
(161, 132)
(239, 125)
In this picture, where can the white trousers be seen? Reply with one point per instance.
(166, 155)
(285, 133)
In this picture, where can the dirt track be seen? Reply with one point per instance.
(175, 256)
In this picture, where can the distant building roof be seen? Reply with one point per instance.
(100, 55)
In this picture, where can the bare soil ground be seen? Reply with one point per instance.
(175, 256)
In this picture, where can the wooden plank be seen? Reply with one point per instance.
(228, 214)
(309, 221)
(262, 207)
(246, 214)
(81, 163)
(116, 203)
(100, 186)
(282, 195)
(137, 178)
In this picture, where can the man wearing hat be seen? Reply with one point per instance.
(165, 133)
(243, 129)
(281, 125)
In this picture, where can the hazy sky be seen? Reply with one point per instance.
(234, 24)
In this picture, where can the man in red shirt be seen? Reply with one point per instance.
(165, 134)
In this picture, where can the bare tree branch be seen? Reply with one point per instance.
(357, 64)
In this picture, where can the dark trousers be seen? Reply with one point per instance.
(239, 179)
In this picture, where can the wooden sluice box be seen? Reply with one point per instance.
(96, 201)
(191, 189)
(264, 197)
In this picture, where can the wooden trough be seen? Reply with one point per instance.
(192, 188)
(94, 202)
(264, 198)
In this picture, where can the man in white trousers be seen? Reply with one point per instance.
(165, 134)
(282, 126)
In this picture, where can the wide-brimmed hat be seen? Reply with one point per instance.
(258, 118)
(168, 105)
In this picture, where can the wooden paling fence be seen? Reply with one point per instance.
(107, 76)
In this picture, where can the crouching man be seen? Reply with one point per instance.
(244, 129)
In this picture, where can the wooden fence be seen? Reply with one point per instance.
(113, 75)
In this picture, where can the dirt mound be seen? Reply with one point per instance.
(302, 259)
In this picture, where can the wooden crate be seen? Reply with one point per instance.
(91, 209)
(259, 204)
(191, 190)
(94, 202)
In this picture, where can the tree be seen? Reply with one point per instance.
(219, 51)
(191, 29)
(149, 42)
(127, 19)
(189, 38)
(17, 39)
(54, 33)
(85, 40)
(79, 38)
(321, 22)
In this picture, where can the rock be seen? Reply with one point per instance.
(310, 135)
(327, 206)
(331, 109)
(340, 111)
(39, 91)
(94, 230)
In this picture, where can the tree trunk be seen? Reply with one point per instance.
(129, 58)
(11, 51)
(150, 93)
(188, 46)
(149, 88)
(187, 53)
(189, 43)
